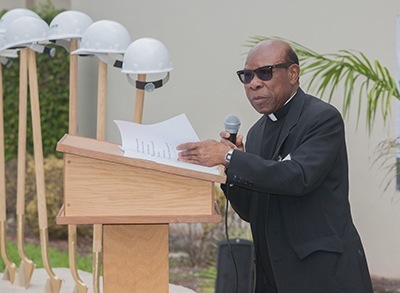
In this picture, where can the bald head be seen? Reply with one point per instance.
(281, 49)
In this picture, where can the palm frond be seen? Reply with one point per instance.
(347, 70)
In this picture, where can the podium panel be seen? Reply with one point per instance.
(94, 187)
(135, 258)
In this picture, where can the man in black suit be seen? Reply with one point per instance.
(291, 181)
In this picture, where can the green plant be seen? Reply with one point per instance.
(349, 70)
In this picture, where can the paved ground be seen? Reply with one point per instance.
(40, 277)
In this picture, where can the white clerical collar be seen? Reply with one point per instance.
(272, 115)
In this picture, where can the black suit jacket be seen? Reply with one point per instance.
(313, 244)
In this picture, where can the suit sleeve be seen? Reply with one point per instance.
(315, 146)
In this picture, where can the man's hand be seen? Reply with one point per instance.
(209, 152)
(225, 140)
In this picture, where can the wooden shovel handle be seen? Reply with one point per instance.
(37, 140)
(101, 101)
(139, 101)
(2, 162)
(73, 89)
(22, 117)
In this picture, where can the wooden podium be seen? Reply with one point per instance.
(135, 200)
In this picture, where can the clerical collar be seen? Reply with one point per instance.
(278, 114)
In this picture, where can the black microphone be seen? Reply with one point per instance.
(232, 124)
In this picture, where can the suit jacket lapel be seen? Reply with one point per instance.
(291, 120)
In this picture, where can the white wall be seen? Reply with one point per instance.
(205, 39)
(10, 4)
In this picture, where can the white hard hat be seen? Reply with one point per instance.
(25, 31)
(69, 25)
(12, 15)
(146, 56)
(6, 53)
(104, 36)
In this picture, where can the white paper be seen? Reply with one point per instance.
(158, 142)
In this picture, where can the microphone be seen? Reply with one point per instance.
(232, 124)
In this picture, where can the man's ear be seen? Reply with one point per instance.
(294, 73)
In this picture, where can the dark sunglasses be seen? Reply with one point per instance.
(264, 73)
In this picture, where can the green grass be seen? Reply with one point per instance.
(208, 278)
(57, 258)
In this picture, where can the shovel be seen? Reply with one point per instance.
(26, 266)
(53, 285)
(10, 271)
(100, 135)
(80, 286)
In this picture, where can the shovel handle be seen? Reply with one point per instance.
(37, 140)
(73, 89)
(22, 117)
(3, 210)
(101, 101)
(139, 101)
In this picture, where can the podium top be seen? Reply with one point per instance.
(107, 151)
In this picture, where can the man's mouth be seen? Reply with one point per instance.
(258, 98)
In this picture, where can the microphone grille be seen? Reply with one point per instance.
(232, 124)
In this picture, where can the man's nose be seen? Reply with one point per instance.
(255, 83)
